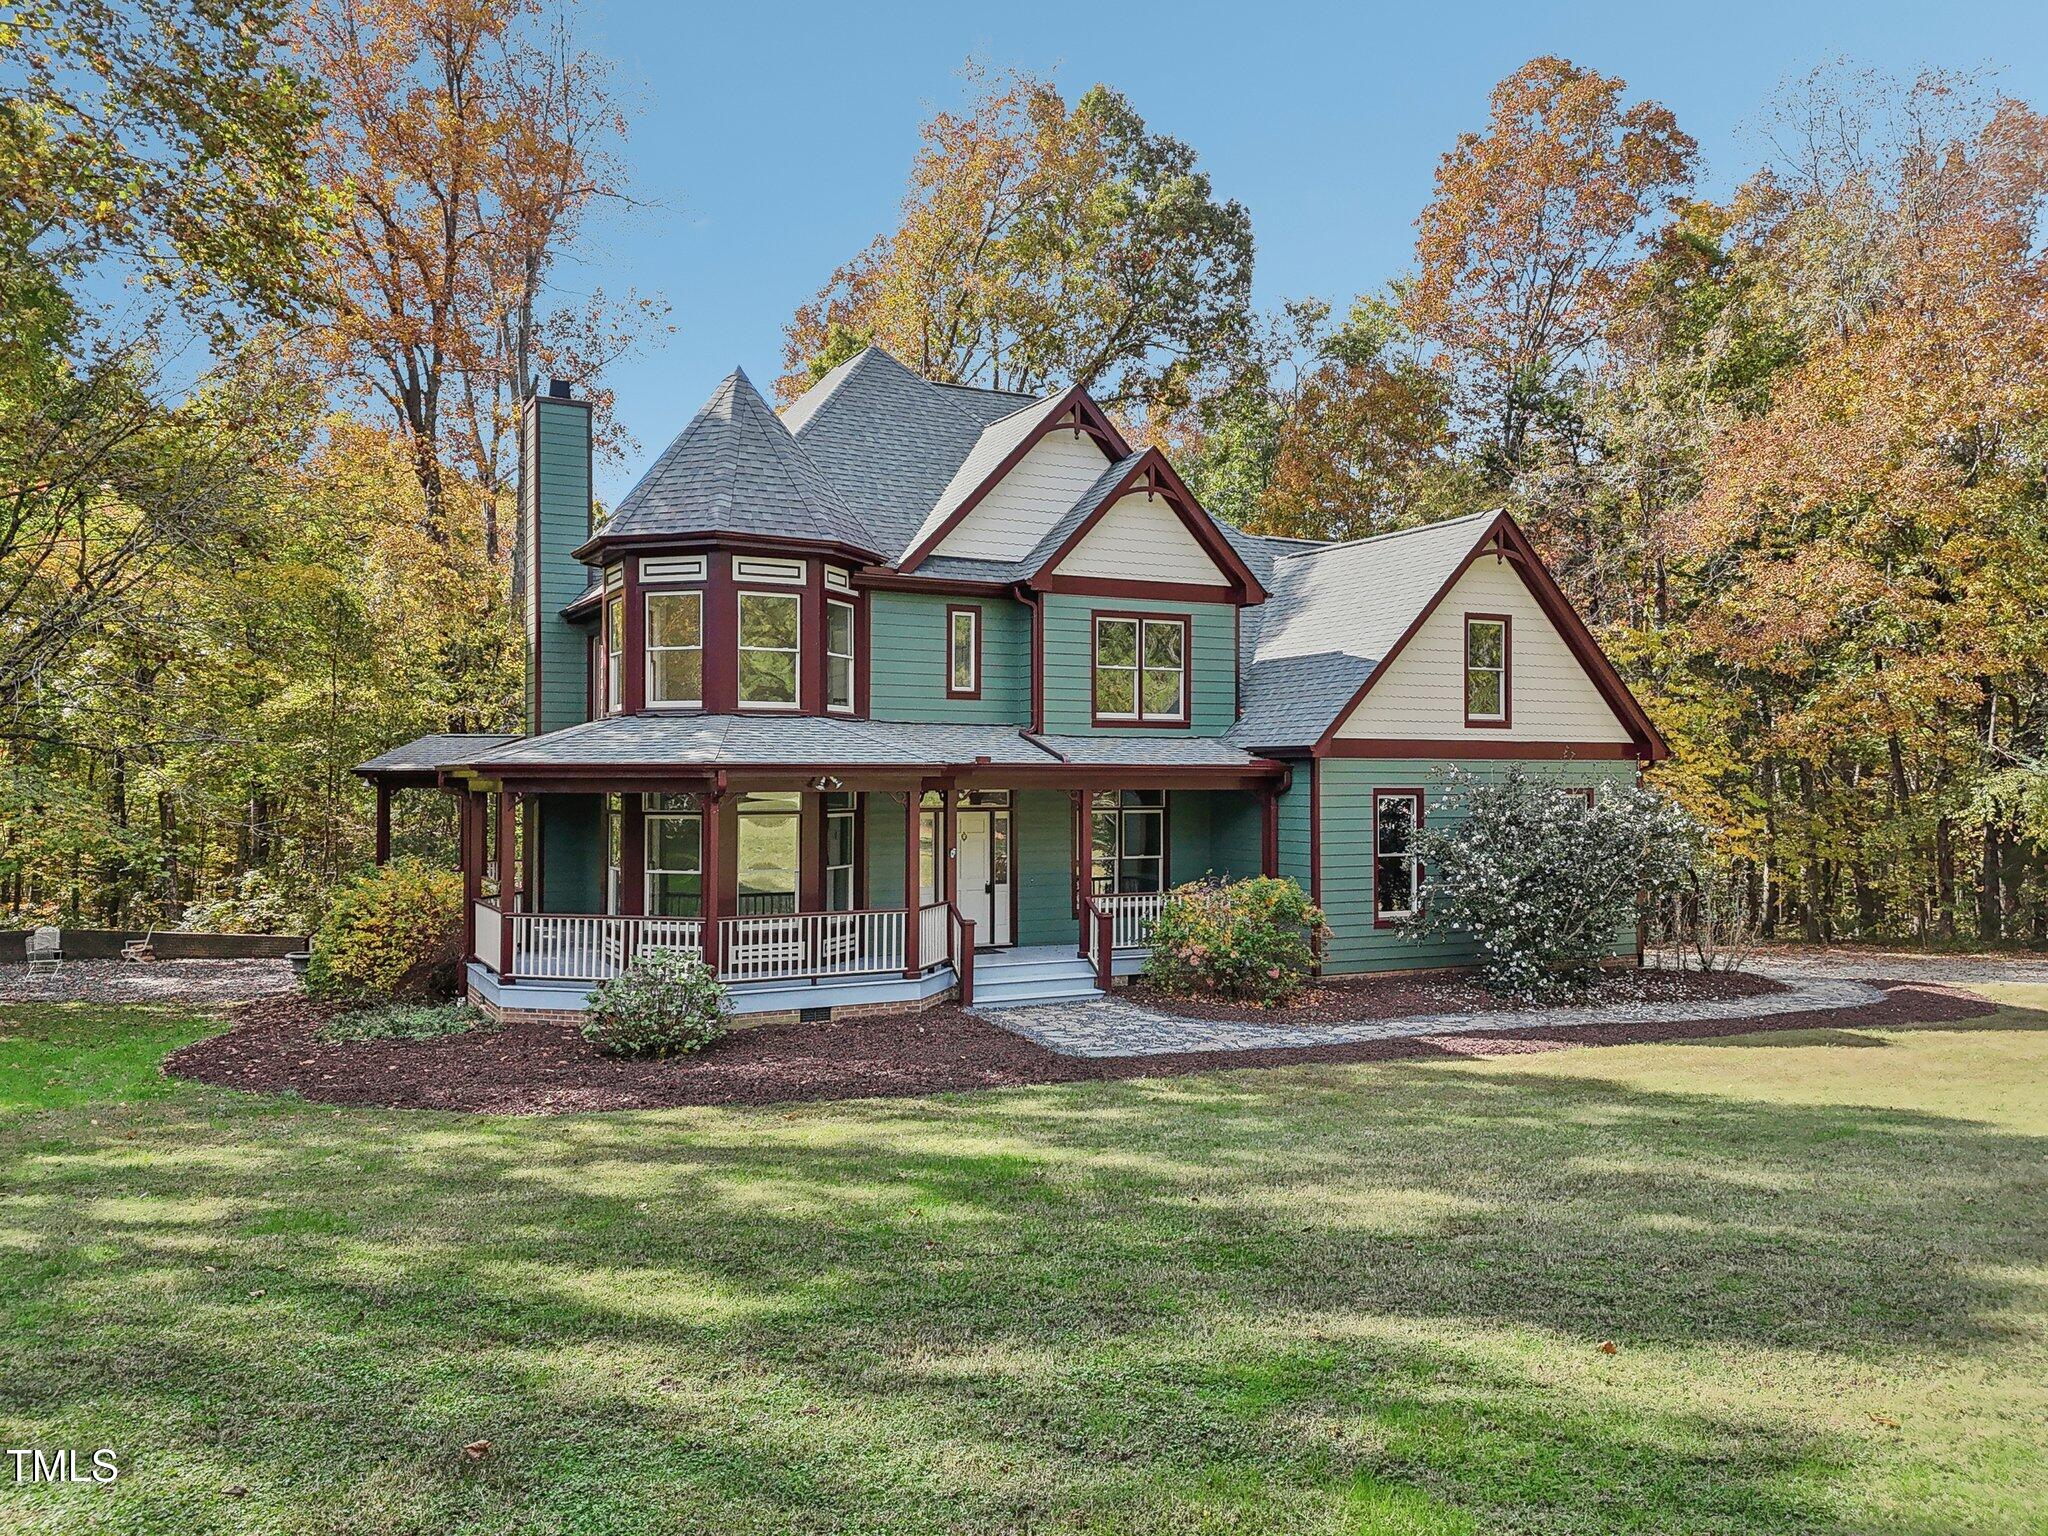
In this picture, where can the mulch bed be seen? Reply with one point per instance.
(1361, 998)
(550, 1069)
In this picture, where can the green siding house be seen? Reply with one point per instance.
(912, 690)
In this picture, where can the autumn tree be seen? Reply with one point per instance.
(469, 147)
(1523, 250)
(1039, 244)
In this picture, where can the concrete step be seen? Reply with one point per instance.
(1013, 994)
(1040, 969)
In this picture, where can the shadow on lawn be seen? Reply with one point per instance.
(1295, 1294)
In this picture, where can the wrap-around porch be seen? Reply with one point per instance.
(836, 889)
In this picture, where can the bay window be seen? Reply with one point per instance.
(614, 654)
(1141, 669)
(839, 656)
(675, 648)
(770, 625)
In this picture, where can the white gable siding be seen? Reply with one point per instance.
(1422, 696)
(1014, 515)
(1140, 538)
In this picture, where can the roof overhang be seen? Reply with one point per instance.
(603, 543)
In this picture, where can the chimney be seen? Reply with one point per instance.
(554, 519)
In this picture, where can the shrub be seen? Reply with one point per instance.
(255, 905)
(401, 1021)
(395, 935)
(1544, 882)
(665, 1003)
(1249, 940)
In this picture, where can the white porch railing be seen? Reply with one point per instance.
(490, 936)
(933, 939)
(556, 946)
(1131, 917)
(793, 945)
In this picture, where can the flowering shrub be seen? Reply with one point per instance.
(665, 1003)
(1543, 881)
(393, 935)
(1250, 940)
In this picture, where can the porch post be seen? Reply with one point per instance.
(632, 856)
(508, 876)
(470, 854)
(913, 898)
(383, 820)
(1269, 837)
(710, 876)
(949, 835)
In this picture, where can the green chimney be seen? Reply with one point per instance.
(554, 519)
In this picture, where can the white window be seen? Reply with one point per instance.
(839, 656)
(963, 653)
(841, 841)
(1396, 877)
(675, 648)
(770, 625)
(1127, 838)
(1486, 669)
(614, 654)
(672, 833)
(1141, 669)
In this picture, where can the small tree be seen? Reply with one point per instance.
(1249, 940)
(1542, 880)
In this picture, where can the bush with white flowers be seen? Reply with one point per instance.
(1544, 882)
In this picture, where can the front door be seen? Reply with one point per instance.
(984, 874)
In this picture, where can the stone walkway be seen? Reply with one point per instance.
(201, 982)
(1112, 1027)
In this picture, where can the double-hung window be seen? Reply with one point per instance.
(770, 629)
(1396, 876)
(1127, 838)
(841, 842)
(614, 654)
(672, 833)
(839, 656)
(963, 652)
(1486, 669)
(1141, 670)
(675, 648)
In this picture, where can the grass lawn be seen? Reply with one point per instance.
(1363, 1298)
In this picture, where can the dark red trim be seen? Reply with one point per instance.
(810, 640)
(893, 581)
(1315, 840)
(721, 637)
(1074, 412)
(863, 648)
(582, 778)
(1515, 546)
(747, 543)
(383, 820)
(1037, 661)
(633, 671)
(1506, 718)
(1187, 677)
(1381, 746)
(980, 622)
(1161, 479)
(1164, 591)
(1378, 792)
(1269, 833)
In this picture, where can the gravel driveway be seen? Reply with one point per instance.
(160, 981)
(1799, 961)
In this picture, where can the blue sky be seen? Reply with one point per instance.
(773, 138)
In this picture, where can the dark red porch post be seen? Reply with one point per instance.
(711, 875)
(508, 876)
(948, 839)
(913, 897)
(469, 846)
(1269, 837)
(383, 820)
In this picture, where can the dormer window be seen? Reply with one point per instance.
(770, 626)
(675, 648)
(1141, 670)
(1486, 669)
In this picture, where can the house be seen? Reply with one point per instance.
(915, 688)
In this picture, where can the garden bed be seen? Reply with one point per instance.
(1351, 999)
(551, 1069)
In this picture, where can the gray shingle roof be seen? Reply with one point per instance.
(736, 469)
(441, 750)
(1331, 613)
(997, 441)
(1147, 751)
(956, 568)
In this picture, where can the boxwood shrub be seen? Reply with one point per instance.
(665, 1003)
(1248, 940)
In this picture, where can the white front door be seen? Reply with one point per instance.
(984, 899)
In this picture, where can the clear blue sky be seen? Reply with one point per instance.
(773, 138)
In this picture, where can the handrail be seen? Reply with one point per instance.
(961, 934)
(1098, 940)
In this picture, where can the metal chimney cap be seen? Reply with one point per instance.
(558, 389)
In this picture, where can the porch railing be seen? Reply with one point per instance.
(933, 935)
(560, 946)
(1131, 917)
(794, 945)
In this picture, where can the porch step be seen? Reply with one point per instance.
(1022, 978)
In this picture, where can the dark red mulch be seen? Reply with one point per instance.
(550, 1069)
(1401, 997)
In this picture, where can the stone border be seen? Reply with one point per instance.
(1110, 1027)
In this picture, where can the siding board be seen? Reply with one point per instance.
(1070, 662)
(907, 660)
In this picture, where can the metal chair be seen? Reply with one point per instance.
(45, 952)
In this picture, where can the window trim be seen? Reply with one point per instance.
(953, 612)
(855, 813)
(739, 650)
(852, 654)
(1163, 810)
(648, 647)
(1390, 919)
(1506, 718)
(1185, 621)
(613, 643)
(648, 871)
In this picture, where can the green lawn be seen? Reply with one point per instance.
(1361, 1298)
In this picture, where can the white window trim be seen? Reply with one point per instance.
(740, 650)
(792, 573)
(972, 687)
(1138, 714)
(1498, 716)
(647, 846)
(1414, 802)
(852, 656)
(614, 653)
(649, 649)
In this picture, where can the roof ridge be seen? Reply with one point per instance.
(1391, 533)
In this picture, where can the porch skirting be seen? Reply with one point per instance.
(533, 1002)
